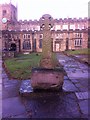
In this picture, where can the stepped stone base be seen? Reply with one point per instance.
(43, 78)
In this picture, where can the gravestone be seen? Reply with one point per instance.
(47, 76)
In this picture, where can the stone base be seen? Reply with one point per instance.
(45, 79)
(26, 90)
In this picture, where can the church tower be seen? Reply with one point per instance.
(8, 16)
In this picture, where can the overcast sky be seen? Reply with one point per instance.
(34, 9)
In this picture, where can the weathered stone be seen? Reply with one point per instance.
(46, 22)
(47, 78)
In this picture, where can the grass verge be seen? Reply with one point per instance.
(20, 66)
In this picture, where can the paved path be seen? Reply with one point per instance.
(72, 102)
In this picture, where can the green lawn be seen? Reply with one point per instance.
(78, 52)
(20, 66)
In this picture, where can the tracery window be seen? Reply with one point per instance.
(41, 36)
(26, 45)
(78, 35)
(40, 43)
(78, 42)
(4, 12)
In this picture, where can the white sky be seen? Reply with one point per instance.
(34, 9)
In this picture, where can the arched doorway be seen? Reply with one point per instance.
(57, 46)
(13, 47)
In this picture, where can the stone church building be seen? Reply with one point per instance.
(26, 36)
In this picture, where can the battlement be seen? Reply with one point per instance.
(65, 20)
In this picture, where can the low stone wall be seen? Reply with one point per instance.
(8, 54)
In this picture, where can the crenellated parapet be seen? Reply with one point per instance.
(59, 24)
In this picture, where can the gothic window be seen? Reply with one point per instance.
(80, 35)
(14, 15)
(26, 45)
(61, 36)
(57, 35)
(4, 12)
(41, 36)
(34, 44)
(24, 36)
(78, 42)
(40, 43)
(28, 36)
(76, 35)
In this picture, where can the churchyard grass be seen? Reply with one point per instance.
(20, 66)
(78, 52)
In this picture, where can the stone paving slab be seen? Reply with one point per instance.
(12, 106)
(10, 91)
(81, 87)
(82, 95)
(77, 75)
(0, 80)
(84, 106)
(75, 80)
(0, 87)
(0, 108)
(0, 95)
(69, 86)
(24, 115)
(9, 85)
(53, 106)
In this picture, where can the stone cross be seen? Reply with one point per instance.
(46, 23)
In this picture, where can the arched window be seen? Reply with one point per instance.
(80, 35)
(80, 42)
(26, 45)
(41, 36)
(40, 43)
